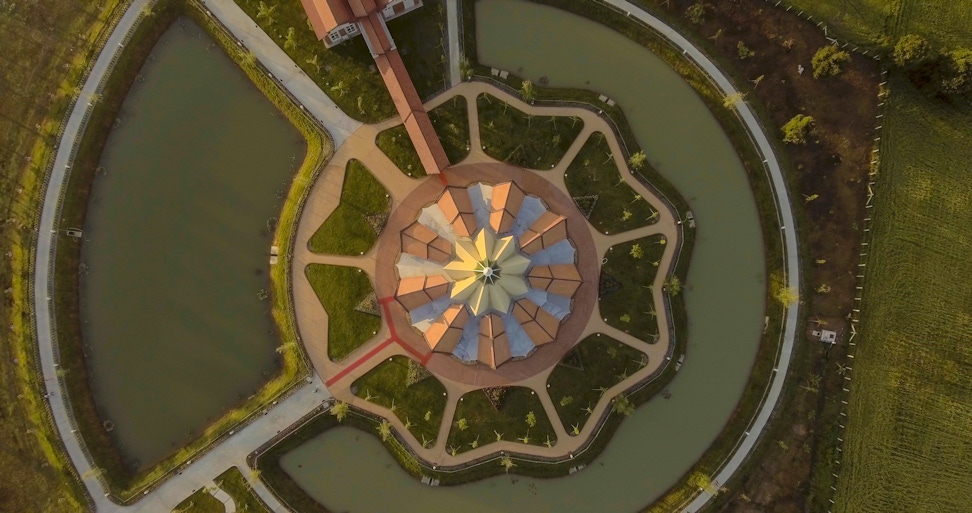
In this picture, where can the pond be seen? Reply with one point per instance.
(177, 247)
(724, 294)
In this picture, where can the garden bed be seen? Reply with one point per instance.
(345, 293)
(418, 398)
(626, 286)
(520, 139)
(353, 227)
(595, 183)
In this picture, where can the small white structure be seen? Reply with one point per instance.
(825, 336)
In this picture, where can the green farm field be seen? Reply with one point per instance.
(878, 23)
(908, 441)
(908, 444)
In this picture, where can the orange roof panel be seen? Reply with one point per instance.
(420, 232)
(540, 283)
(565, 272)
(566, 288)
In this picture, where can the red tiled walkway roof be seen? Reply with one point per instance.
(326, 15)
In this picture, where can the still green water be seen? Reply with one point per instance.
(177, 244)
(724, 295)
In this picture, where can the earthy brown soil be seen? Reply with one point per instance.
(828, 184)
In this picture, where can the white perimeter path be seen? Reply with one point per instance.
(791, 261)
(233, 451)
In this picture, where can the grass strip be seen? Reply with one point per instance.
(234, 484)
(200, 502)
(353, 227)
(341, 289)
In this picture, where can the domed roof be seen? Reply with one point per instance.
(487, 273)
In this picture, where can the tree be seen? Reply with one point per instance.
(912, 51)
(290, 43)
(528, 92)
(696, 13)
(787, 296)
(507, 463)
(828, 60)
(384, 430)
(637, 160)
(636, 252)
(531, 419)
(957, 72)
(733, 99)
(340, 411)
(621, 404)
(795, 131)
(316, 62)
(465, 68)
(266, 12)
(673, 285)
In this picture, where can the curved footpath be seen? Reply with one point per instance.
(234, 450)
(788, 223)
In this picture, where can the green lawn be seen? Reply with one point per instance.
(626, 301)
(341, 289)
(594, 173)
(597, 362)
(451, 123)
(234, 484)
(483, 421)
(343, 72)
(535, 142)
(421, 40)
(421, 403)
(346, 72)
(200, 502)
(353, 227)
(395, 143)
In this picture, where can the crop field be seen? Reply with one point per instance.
(871, 22)
(908, 442)
(908, 445)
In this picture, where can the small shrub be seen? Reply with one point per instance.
(795, 131)
(828, 61)
(957, 72)
(528, 92)
(744, 51)
(696, 13)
